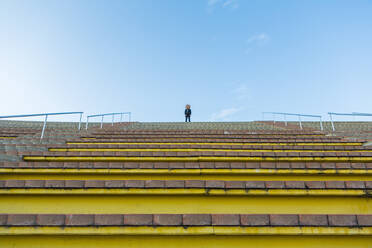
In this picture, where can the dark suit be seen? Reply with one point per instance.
(187, 114)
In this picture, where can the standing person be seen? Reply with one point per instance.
(187, 113)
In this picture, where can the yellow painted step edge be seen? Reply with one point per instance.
(210, 192)
(187, 150)
(222, 135)
(197, 159)
(192, 171)
(179, 230)
(219, 143)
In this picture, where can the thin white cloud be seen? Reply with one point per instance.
(241, 92)
(227, 4)
(233, 4)
(224, 114)
(213, 2)
(256, 40)
(259, 39)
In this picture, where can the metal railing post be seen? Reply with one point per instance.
(332, 124)
(321, 123)
(81, 116)
(113, 117)
(353, 114)
(46, 118)
(86, 125)
(292, 114)
(44, 126)
(130, 116)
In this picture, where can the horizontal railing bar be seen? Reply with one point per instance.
(279, 113)
(46, 118)
(362, 114)
(108, 114)
(31, 115)
(299, 117)
(346, 114)
(113, 117)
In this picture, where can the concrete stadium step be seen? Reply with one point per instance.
(201, 150)
(258, 146)
(169, 237)
(204, 143)
(205, 134)
(61, 171)
(204, 131)
(216, 140)
(218, 151)
(183, 230)
(183, 157)
(177, 184)
(253, 126)
(210, 136)
(211, 145)
(189, 196)
(116, 130)
(187, 220)
(190, 165)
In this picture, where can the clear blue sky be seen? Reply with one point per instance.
(229, 59)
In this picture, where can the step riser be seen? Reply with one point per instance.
(165, 176)
(67, 150)
(182, 204)
(195, 159)
(162, 136)
(229, 147)
(171, 241)
(221, 143)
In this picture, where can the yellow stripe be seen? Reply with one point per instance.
(187, 150)
(183, 201)
(198, 159)
(195, 138)
(7, 137)
(343, 237)
(203, 191)
(246, 134)
(223, 144)
(187, 174)
(196, 171)
(180, 230)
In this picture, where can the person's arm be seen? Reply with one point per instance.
(185, 111)
(190, 111)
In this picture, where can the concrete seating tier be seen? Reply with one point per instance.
(184, 184)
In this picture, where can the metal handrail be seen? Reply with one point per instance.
(113, 115)
(362, 114)
(46, 118)
(299, 117)
(345, 114)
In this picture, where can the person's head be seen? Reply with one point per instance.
(188, 106)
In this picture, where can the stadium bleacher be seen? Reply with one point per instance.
(201, 184)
